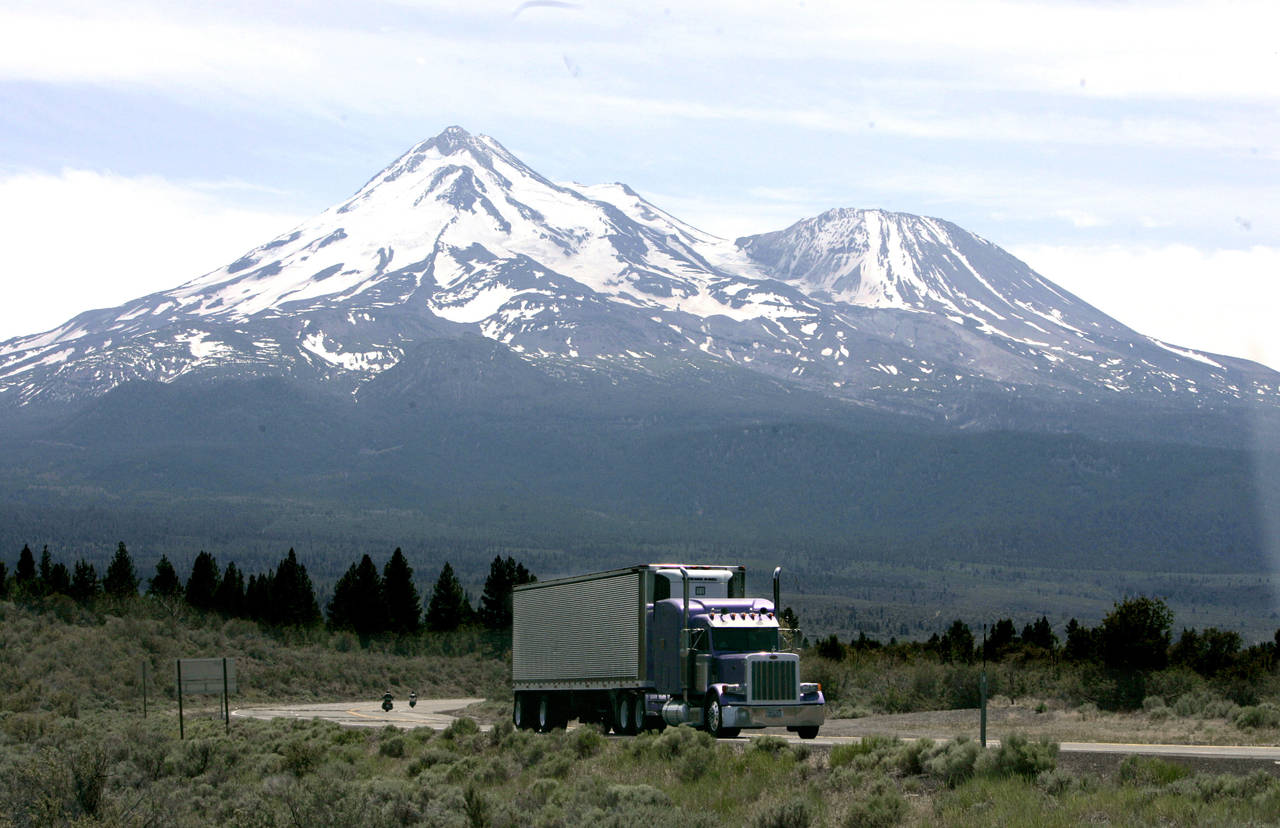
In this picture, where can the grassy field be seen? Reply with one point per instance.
(75, 750)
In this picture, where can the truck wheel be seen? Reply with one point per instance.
(625, 723)
(638, 713)
(807, 732)
(546, 713)
(713, 717)
(520, 716)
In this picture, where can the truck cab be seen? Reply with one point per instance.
(721, 659)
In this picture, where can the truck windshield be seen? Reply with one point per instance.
(745, 640)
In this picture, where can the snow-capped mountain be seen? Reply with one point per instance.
(459, 237)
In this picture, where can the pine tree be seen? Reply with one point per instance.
(46, 571)
(448, 608)
(4, 580)
(203, 581)
(59, 579)
(495, 600)
(400, 596)
(121, 580)
(229, 598)
(257, 598)
(165, 583)
(84, 582)
(25, 574)
(293, 599)
(357, 601)
(1040, 634)
(957, 643)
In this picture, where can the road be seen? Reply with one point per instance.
(434, 713)
(438, 713)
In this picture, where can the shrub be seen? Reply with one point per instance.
(1017, 756)
(556, 766)
(300, 757)
(910, 757)
(1058, 782)
(462, 726)
(88, 765)
(1214, 787)
(1258, 716)
(772, 745)
(1151, 703)
(883, 806)
(393, 747)
(587, 741)
(866, 746)
(476, 808)
(953, 762)
(1149, 771)
(796, 812)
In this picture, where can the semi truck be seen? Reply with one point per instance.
(653, 645)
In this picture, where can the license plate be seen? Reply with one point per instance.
(773, 712)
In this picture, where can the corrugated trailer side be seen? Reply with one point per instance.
(585, 632)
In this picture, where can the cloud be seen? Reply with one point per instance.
(83, 239)
(1221, 300)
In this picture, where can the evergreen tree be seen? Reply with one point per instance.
(84, 582)
(257, 598)
(293, 599)
(956, 645)
(495, 600)
(229, 598)
(25, 574)
(203, 581)
(46, 570)
(357, 601)
(59, 579)
(1082, 642)
(1000, 640)
(4, 580)
(165, 583)
(400, 596)
(121, 580)
(448, 608)
(1040, 634)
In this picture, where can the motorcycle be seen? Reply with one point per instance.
(386, 703)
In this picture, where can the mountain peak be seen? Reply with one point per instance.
(458, 235)
(450, 140)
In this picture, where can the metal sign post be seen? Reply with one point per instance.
(982, 688)
(207, 675)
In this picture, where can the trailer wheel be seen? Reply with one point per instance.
(546, 713)
(625, 722)
(521, 716)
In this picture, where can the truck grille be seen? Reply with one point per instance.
(773, 681)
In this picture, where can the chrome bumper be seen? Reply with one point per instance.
(777, 715)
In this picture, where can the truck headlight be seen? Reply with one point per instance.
(735, 689)
(810, 687)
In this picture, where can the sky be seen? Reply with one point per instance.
(1129, 152)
